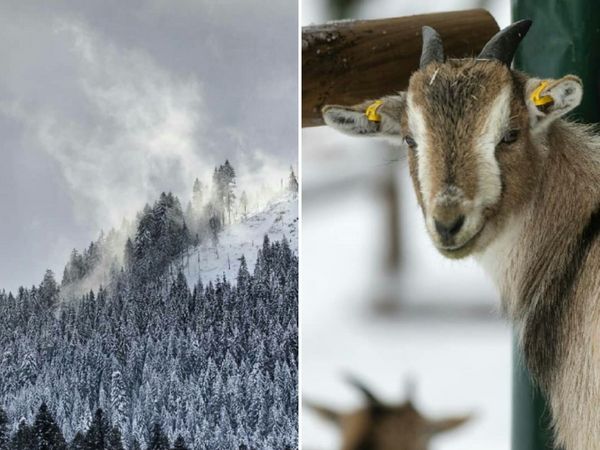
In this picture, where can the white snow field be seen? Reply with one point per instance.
(277, 220)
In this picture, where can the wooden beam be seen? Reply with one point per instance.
(347, 62)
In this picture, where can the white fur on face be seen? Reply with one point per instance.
(416, 123)
(490, 185)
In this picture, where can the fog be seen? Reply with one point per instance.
(105, 105)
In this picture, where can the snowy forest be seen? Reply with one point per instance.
(128, 353)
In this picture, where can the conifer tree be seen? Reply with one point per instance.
(23, 439)
(47, 434)
(292, 181)
(96, 437)
(115, 441)
(48, 292)
(118, 399)
(197, 195)
(180, 444)
(78, 442)
(4, 431)
(158, 439)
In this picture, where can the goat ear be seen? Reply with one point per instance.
(371, 118)
(326, 413)
(447, 424)
(547, 100)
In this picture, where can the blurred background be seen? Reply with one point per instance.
(378, 301)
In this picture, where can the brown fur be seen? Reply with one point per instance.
(455, 103)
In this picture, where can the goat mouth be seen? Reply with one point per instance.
(464, 249)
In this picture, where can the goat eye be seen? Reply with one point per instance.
(410, 142)
(510, 136)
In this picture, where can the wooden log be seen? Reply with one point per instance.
(347, 62)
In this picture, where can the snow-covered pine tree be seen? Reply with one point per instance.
(78, 442)
(292, 181)
(158, 440)
(115, 441)
(118, 399)
(23, 438)
(180, 444)
(46, 433)
(197, 196)
(96, 437)
(224, 190)
(4, 431)
(48, 292)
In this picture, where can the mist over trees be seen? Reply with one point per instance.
(148, 359)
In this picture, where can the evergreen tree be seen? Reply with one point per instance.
(48, 292)
(4, 431)
(292, 181)
(24, 438)
(215, 226)
(78, 442)
(180, 444)
(158, 440)
(224, 189)
(135, 445)
(129, 255)
(115, 441)
(96, 437)
(228, 175)
(47, 434)
(118, 399)
(197, 195)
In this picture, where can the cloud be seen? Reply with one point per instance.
(143, 133)
(103, 105)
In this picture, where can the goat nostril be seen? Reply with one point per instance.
(455, 228)
(446, 231)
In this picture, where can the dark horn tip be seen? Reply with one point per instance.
(523, 25)
(503, 45)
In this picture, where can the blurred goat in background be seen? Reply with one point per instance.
(382, 426)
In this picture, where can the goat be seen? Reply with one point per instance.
(500, 175)
(379, 426)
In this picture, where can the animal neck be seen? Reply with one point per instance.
(536, 243)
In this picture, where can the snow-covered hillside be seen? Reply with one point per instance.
(279, 219)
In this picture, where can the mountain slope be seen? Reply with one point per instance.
(278, 220)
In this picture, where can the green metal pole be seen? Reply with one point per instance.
(564, 38)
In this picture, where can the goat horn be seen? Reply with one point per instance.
(503, 45)
(433, 49)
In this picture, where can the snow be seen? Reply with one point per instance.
(278, 220)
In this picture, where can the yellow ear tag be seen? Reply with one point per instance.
(541, 100)
(371, 111)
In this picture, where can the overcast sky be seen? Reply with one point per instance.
(103, 105)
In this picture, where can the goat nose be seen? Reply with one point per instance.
(448, 229)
